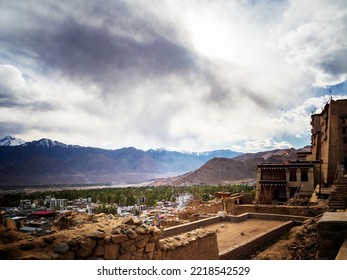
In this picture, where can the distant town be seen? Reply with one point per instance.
(36, 216)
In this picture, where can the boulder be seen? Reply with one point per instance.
(111, 251)
(10, 224)
(86, 247)
(61, 248)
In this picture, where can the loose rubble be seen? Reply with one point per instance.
(299, 244)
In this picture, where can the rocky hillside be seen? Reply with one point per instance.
(228, 171)
(218, 171)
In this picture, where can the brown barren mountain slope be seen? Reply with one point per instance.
(222, 171)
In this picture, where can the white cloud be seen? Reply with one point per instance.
(311, 36)
(265, 144)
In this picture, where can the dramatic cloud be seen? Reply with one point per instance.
(187, 75)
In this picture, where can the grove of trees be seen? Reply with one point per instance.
(123, 196)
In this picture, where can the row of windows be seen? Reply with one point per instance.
(280, 174)
(303, 174)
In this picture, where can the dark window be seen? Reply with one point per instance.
(344, 129)
(292, 174)
(304, 174)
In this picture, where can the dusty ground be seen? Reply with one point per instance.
(231, 234)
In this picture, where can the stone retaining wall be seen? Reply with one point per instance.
(332, 231)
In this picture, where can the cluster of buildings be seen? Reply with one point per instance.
(51, 203)
(315, 169)
(36, 217)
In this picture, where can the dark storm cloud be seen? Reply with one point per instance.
(335, 63)
(86, 53)
(115, 47)
(98, 54)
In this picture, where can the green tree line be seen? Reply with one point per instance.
(124, 196)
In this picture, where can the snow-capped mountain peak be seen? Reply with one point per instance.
(48, 143)
(11, 141)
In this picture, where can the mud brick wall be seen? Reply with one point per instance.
(208, 208)
(216, 206)
(332, 231)
(308, 211)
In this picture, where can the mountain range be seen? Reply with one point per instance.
(46, 161)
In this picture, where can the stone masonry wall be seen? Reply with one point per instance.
(198, 244)
(110, 238)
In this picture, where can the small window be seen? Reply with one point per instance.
(292, 174)
(344, 130)
(304, 175)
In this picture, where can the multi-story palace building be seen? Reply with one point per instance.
(316, 167)
(329, 138)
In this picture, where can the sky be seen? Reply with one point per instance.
(182, 75)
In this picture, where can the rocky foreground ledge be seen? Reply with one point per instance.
(106, 237)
